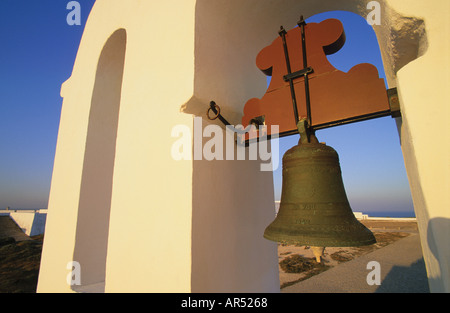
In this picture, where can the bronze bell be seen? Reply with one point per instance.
(314, 209)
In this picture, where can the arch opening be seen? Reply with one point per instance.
(254, 26)
(370, 153)
(92, 229)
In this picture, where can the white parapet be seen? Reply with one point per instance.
(32, 222)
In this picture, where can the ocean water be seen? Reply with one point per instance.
(391, 214)
(375, 213)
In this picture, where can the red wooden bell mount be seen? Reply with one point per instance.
(306, 85)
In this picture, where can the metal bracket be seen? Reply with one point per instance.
(394, 102)
(258, 121)
(255, 122)
(297, 74)
(394, 112)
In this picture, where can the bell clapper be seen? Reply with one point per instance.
(318, 253)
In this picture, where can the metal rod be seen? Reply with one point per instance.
(282, 33)
(216, 109)
(351, 120)
(302, 24)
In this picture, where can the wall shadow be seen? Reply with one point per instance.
(438, 237)
(414, 279)
(406, 279)
(91, 238)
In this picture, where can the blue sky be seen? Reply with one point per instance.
(37, 56)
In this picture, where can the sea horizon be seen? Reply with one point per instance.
(394, 214)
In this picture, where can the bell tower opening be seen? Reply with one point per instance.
(92, 228)
(370, 153)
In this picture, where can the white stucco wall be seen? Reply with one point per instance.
(425, 135)
(152, 247)
(186, 217)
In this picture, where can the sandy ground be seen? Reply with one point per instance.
(19, 261)
(19, 264)
(301, 260)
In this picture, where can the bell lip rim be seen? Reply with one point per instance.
(323, 243)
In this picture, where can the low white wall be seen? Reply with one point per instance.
(397, 219)
(32, 222)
